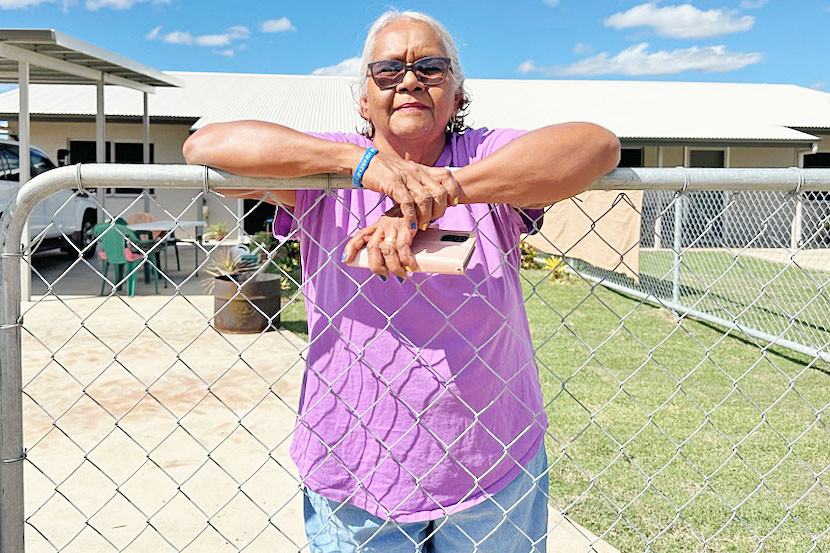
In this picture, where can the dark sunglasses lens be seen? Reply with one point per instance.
(387, 73)
(431, 71)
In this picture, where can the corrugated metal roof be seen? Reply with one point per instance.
(632, 109)
(64, 48)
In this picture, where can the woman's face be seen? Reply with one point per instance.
(410, 111)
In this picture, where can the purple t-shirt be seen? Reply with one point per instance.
(419, 399)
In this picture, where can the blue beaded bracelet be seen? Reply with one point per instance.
(357, 177)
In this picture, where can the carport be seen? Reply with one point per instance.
(46, 56)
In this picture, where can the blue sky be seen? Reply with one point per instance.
(774, 41)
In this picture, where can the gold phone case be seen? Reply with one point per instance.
(436, 251)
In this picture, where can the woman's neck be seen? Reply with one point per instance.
(425, 153)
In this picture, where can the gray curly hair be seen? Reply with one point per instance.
(456, 123)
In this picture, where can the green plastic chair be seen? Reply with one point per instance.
(115, 240)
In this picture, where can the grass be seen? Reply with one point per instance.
(292, 316)
(781, 299)
(674, 437)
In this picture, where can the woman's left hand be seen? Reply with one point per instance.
(388, 244)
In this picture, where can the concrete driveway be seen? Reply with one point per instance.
(149, 431)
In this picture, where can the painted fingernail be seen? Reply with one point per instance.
(454, 202)
(408, 269)
(432, 221)
(425, 226)
(413, 226)
(383, 278)
(399, 279)
(343, 257)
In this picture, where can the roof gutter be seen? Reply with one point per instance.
(805, 144)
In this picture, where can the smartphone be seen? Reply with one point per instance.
(437, 251)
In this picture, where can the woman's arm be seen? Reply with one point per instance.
(260, 149)
(541, 167)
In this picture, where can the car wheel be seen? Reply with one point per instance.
(83, 238)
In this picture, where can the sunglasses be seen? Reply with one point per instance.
(390, 73)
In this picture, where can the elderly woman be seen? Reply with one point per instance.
(421, 419)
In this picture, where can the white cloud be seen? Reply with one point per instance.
(89, 4)
(753, 4)
(684, 21)
(227, 52)
(582, 48)
(213, 40)
(349, 67)
(552, 3)
(637, 61)
(117, 4)
(239, 31)
(236, 32)
(17, 4)
(818, 85)
(277, 25)
(177, 37)
(529, 66)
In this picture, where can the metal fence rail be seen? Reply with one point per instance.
(666, 434)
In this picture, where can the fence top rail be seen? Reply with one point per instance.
(119, 175)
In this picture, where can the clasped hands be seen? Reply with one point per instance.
(421, 193)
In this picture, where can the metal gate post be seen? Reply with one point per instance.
(11, 400)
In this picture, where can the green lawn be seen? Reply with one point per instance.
(773, 297)
(673, 437)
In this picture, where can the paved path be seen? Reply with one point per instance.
(147, 429)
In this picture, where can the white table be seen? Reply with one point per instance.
(166, 225)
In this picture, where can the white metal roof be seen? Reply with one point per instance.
(59, 47)
(634, 110)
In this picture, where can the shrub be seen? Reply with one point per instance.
(557, 267)
(529, 254)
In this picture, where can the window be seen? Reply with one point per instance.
(83, 151)
(4, 170)
(817, 161)
(131, 152)
(631, 157)
(40, 163)
(820, 160)
(707, 158)
(11, 163)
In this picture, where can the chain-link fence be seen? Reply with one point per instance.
(150, 422)
(753, 260)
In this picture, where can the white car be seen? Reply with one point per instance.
(65, 213)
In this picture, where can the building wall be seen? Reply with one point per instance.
(763, 157)
(732, 219)
(167, 140)
(767, 215)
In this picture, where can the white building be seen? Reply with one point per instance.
(659, 123)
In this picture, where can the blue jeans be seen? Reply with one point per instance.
(514, 520)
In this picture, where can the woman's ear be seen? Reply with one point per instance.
(459, 101)
(364, 108)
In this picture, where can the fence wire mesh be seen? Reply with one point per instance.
(148, 429)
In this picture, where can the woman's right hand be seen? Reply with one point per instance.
(422, 192)
(387, 242)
